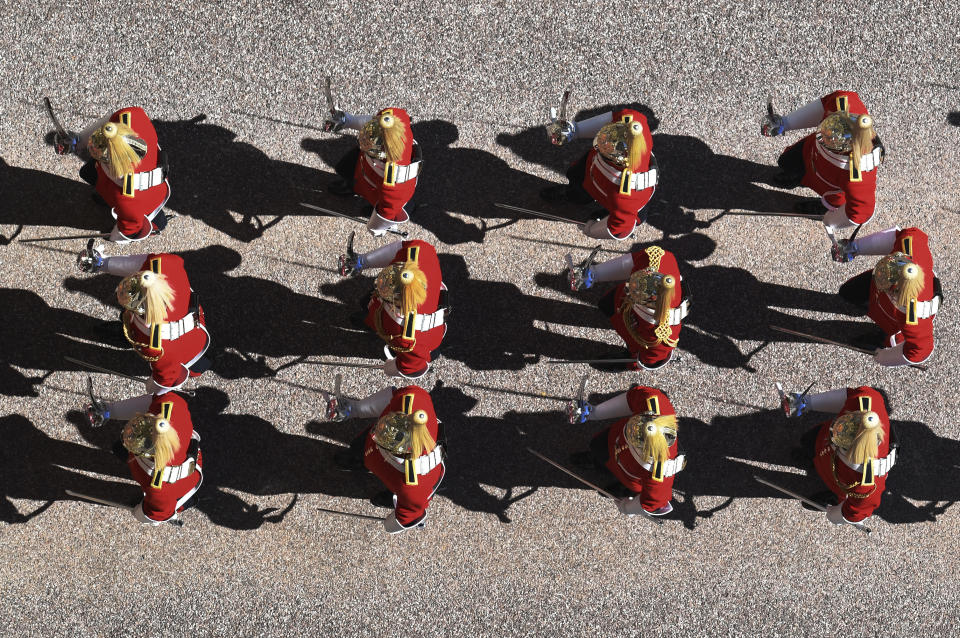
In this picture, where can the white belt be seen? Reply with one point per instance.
(670, 467)
(421, 324)
(676, 314)
(423, 465)
(925, 309)
(171, 473)
(868, 162)
(170, 331)
(880, 466)
(638, 181)
(141, 181)
(403, 172)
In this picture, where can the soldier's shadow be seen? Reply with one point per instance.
(953, 118)
(232, 185)
(729, 446)
(692, 176)
(250, 318)
(730, 304)
(37, 467)
(38, 198)
(37, 336)
(459, 186)
(500, 320)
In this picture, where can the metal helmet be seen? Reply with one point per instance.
(643, 287)
(132, 291)
(117, 146)
(837, 130)
(644, 428)
(393, 432)
(893, 270)
(846, 427)
(613, 141)
(383, 137)
(138, 434)
(391, 282)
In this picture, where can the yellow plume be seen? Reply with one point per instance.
(420, 440)
(414, 283)
(114, 138)
(166, 442)
(862, 139)
(638, 145)
(655, 444)
(668, 288)
(866, 444)
(394, 136)
(911, 283)
(158, 296)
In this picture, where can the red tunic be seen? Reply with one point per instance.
(170, 369)
(160, 503)
(372, 181)
(918, 334)
(623, 208)
(642, 328)
(831, 181)
(132, 209)
(412, 500)
(653, 494)
(858, 501)
(410, 347)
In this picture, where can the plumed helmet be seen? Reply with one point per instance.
(402, 285)
(117, 147)
(614, 141)
(138, 434)
(394, 431)
(644, 287)
(899, 276)
(837, 131)
(846, 427)
(649, 435)
(384, 137)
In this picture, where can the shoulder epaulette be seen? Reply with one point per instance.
(653, 405)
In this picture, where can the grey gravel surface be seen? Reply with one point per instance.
(512, 547)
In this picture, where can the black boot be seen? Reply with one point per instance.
(341, 188)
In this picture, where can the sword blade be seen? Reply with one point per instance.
(772, 214)
(770, 111)
(97, 236)
(101, 501)
(344, 364)
(791, 493)
(571, 473)
(564, 100)
(555, 361)
(338, 512)
(537, 213)
(56, 123)
(583, 388)
(821, 339)
(331, 212)
(329, 95)
(106, 370)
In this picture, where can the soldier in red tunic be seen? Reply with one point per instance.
(839, 161)
(647, 309)
(853, 453)
(162, 317)
(383, 169)
(901, 294)
(164, 454)
(619, 172)
(640, 449)
(408, 305)
(128, 170)
(401, 449)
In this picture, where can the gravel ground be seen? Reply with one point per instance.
(512, 547)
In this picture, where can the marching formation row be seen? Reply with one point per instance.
(408, 308)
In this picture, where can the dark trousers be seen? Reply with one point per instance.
(576, 174)
(606, 303)
(856, 290)
(347, 165)
(599, 450)
(791, 160)
(88, 172)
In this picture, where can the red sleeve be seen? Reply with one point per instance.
(644, 399)
(861, 198)
(833, 102)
